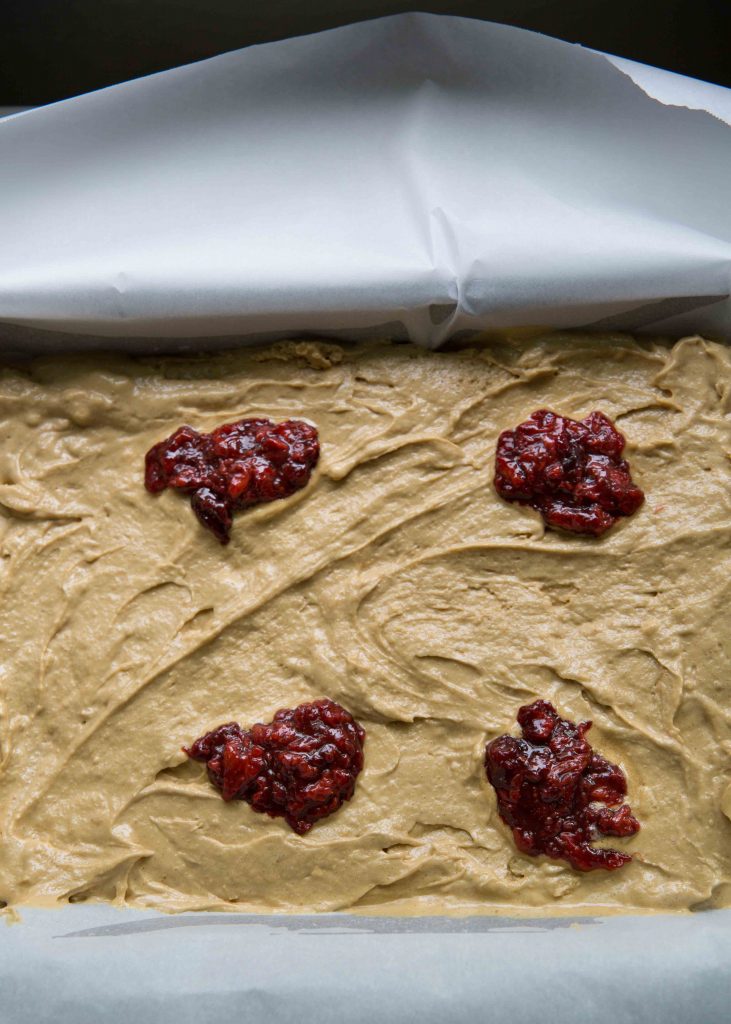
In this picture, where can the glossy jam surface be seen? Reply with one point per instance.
(234, 467)
(571, 471)
(556, 794)
(302, 766)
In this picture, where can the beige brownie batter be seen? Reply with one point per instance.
(398, 584)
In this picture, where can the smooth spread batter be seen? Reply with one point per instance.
(397, 583)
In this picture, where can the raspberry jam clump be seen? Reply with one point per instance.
(570, 471)
(300, 767)
(234, 467)
(556, 794)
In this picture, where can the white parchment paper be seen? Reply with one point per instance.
(416, 175)
(90, 964)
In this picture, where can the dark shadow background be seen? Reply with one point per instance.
(52, 49)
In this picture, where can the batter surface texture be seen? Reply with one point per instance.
(398, 584)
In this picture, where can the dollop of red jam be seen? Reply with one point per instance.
(571, 471)
(302, 766)
(234, 467)
(556, 794)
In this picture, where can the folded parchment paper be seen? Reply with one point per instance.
(86, 964)
(416, 175)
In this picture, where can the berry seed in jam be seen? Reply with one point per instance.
(571, 471)
(234, 467)
(551, 786)
(302, 766)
